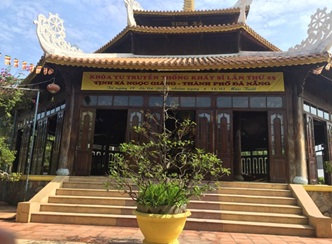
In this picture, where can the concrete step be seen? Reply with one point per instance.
(100, 181)
(89, 209)
(248, 216)
(84, 185)
(206, 197)
(249, 199)
(117, 201)
(85, 219)
(191, 224)
(255, 191)
(250, 227)
(245, 207)
(196, 213)
(251, 185)
(89, 192)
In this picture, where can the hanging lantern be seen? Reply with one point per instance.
(38, 69)
(45, 70)
(32, 67)
(50, 71)
(53, 88)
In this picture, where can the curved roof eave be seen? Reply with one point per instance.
(190, 29)
(189, 13)
(178, 63)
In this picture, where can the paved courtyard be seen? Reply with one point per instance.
(38, 233)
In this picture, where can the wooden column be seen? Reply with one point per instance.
(299, 132)
(66, 157)
(237, 151)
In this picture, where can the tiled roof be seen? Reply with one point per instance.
(176, 63)
(188, 30)
(189, 13)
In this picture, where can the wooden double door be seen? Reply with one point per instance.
(252, 144)
(219, 131)
(318, 145)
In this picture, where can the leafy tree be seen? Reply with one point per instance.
(9, 99)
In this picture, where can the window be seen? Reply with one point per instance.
(105, 100)
(135, 101)
(258, 102)
(240, 102)
(274, 102)
(224, 102)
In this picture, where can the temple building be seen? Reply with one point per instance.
(266, 113)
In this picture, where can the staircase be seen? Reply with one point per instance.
(244, 207)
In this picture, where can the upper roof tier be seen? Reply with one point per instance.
(122, 52)
(187, 17)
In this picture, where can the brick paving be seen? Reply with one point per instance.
(39, 233)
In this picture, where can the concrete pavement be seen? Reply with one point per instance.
(39, 233)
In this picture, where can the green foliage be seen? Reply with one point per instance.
(7, 156)
(161, 194)
(9, 99)
(164, 164)
(328, 166)
(321, 180)
(4, 176)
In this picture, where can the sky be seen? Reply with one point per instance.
(90, 24)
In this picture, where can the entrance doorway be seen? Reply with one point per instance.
(109, 133)
(320, 147)
(251, 145)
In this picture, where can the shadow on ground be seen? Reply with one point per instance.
(103, 240)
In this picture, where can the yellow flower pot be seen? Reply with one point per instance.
(161, 228)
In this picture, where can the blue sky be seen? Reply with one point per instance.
(92, 23)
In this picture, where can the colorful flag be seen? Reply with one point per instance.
(7, 60)
(24, 65)
(15, 62)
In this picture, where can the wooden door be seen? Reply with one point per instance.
(84, 144)
(277, 147)
(39, 149)
(57, 142)
(329, 142)
(135, 118)
(204, 131)
(224, 139)
(310, 149)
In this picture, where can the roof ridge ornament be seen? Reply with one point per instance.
(189, 5)
(51, 35)
(242, 17)
(319, 34)
(238, 4)
(132, 5)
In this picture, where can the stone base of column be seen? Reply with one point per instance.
(62, 171)
(300, 180)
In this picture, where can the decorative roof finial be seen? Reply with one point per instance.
(239, 3)
(319, 34)
(189, 5)
(242, 17)
(51, 35)
(131, 5)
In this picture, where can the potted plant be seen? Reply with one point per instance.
(328, 172)
(164, 170)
